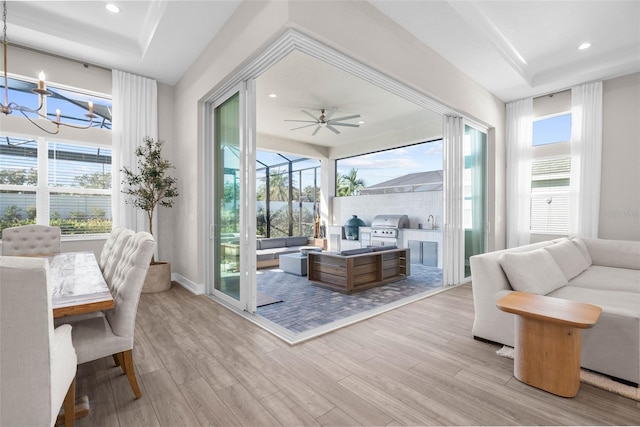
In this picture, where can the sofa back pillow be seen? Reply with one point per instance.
(568, 257)
(535, 271)
(297, 241)
(614, 253)
(356, 251)
(383, 248)
(273, 242)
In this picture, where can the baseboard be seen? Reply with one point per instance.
(187, 284)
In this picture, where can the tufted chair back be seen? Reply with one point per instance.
(127, 281)
(108, 245)
(31, 240)
(112, 254)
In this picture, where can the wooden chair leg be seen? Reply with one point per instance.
(70, 405)
(127, 364)
(115, 359)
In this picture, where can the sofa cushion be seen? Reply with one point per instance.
(265, 256)
(609, 279)
(296, 241)
(356, 251)
(568, 257)
(274, 242)
(535, 271)
(258, 246)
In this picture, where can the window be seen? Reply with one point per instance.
(51, 181)
(552, 129)
(54, 183)
(550, 195)
(550, 173)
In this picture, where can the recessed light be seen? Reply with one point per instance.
(360, 122)
(585, 45)
(111, 7)
(272, 95)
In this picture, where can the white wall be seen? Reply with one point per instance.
(380, 44)
(417, 206)
(620, 186)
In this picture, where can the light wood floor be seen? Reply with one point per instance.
(200, 364)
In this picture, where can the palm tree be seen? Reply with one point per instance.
(349, 184)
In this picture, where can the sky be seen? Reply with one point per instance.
(382, 166)
(552, 129)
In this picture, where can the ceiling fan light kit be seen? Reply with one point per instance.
(325, 120)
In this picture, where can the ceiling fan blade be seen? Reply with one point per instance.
(302, 121)
(316, 131)
(344, 124)
(305, 126)
(310, 115)
(339, 119)
(332, 129)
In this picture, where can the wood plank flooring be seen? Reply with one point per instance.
(200, 364)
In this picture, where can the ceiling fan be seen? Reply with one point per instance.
(325, 120)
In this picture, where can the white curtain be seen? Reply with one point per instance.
(453, 239)
(586, 159)
(135, 115)
(519, 126)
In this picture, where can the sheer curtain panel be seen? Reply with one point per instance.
(453, 250)
(135, 115)
(519, 140)
(586, 159)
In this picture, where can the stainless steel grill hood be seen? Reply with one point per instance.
(390, 221)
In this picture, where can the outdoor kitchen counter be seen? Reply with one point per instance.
(423, 235)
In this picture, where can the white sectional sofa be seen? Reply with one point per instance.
(595, 271)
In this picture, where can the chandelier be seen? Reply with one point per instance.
(8, 107)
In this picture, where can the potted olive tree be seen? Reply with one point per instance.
(149, 187)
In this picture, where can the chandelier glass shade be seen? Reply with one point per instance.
(7, 107)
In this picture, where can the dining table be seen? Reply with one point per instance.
(78, 285)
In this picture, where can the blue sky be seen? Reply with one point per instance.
(552, 129)
(385, 165)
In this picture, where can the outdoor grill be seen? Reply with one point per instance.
(384, 229)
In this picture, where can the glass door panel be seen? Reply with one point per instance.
(475, 160)
(227, 197)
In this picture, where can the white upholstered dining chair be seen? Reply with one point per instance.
(112, 335)
(112, 251)
(31, 240)
(38, 363)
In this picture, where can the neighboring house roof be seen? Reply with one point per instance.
(413, 182)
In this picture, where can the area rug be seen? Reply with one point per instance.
(263, 299)
(589, 377)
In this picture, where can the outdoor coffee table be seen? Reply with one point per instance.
(294, 263)
(547, 340)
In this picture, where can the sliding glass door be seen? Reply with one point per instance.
(231, 270)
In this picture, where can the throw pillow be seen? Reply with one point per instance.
(583, 249)
(568, 257)
(535, 271)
